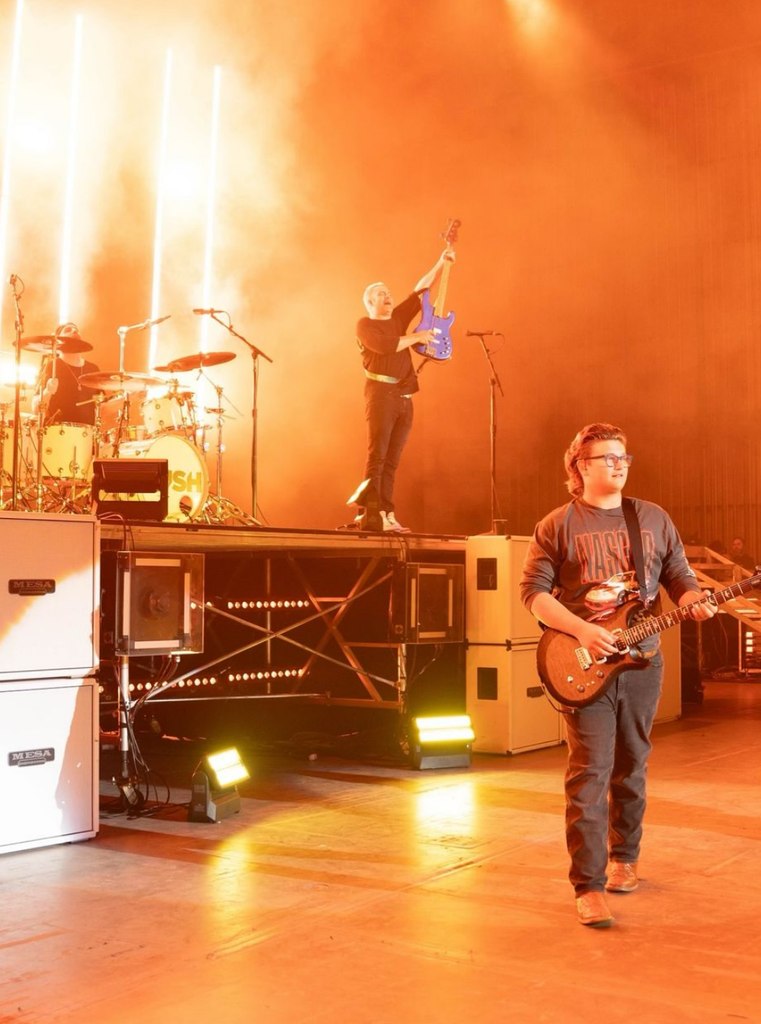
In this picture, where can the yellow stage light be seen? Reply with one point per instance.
(440, 741)
(228, 767)
(214, 786)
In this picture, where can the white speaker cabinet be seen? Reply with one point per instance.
(506, 703)
(493, 609)
(48, 762)
(49, 595)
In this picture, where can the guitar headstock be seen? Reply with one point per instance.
(450, 235)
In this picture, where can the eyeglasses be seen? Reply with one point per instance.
(612, 461)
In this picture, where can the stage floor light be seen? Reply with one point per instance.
(440, 741)
(214, 785)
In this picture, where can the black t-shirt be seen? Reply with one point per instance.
(378, 340)
(64, 405)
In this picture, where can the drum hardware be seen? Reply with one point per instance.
(18, 290)
(47, 344)
(196, 362)
(67, 451)
(123, 385)
(130, 383)
(255, 354)
(170, 411)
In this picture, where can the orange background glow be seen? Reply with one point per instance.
(604, 160)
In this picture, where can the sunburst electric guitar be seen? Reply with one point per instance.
(571, 674)
(433, 316)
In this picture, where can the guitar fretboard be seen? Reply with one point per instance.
(658, 623)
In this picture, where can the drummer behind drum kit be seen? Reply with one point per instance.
(55, 460)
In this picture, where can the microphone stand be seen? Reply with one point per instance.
(494, 383)
(19, 327)
(255, 353)
(124, 411)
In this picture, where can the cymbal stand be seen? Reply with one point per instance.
(255, 353)
(38, 488)
(122, 421)
(218, 411)
(19, 327)
(219, 509)
(3, 438)
(97, 440)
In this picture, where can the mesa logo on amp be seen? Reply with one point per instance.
(27, 758)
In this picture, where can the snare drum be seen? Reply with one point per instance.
(67, 451)
(188, 483)
(169, 413)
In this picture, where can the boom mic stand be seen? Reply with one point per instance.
(255, 353)
(494, 383)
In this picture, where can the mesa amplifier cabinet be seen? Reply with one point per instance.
(48, 762)
(49, 595)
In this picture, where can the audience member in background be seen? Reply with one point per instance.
(739, 555)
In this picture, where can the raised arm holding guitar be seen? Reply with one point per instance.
(390, 382)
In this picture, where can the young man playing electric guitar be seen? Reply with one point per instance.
(390, 383)
(581, 567)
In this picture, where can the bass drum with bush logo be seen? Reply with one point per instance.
(188, 478)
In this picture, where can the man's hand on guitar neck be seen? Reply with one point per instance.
(702, 611)
(427, 280)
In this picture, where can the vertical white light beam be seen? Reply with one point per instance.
(210, 205)
(10, 121)
(160, 190)
(64, 301)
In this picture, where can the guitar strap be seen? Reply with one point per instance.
(635, 541)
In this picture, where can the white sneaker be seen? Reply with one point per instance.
(391, 525)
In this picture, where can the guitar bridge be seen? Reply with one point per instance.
(584, 658)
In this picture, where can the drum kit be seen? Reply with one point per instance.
(54, 460)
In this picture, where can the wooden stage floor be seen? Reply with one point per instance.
(361, 892)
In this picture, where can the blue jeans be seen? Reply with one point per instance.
(608, 748)
(389, 421)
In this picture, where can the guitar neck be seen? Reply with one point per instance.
(659, 623)
(438, 309)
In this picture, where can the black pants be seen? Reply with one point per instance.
(389, 421)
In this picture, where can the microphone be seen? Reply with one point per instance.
(157, 320)
(143, 325)
(478, 334)
(202, 312)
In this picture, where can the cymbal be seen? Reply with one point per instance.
(129, 382)
(195, 362)
(70, 343)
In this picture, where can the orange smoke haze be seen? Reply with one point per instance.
(566, 140)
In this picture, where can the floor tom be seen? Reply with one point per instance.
(67, 451)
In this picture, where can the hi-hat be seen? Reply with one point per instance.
(128, 382)
(195, 362)
(71, 344)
